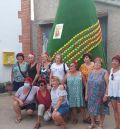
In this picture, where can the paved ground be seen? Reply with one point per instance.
(7, 118)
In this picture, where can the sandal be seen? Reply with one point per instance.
(18, 120)
(100, 127)
(62, 127)
(75, 121)
(97, 121)
(91, 126)
(87, 121)
(37, 126)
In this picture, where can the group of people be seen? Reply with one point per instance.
(56, 90)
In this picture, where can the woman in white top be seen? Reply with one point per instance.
(59, 68)
(114, 88)
(59, 104)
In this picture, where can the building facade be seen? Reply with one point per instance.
(10, 29)
(112, 7)
(108, 14)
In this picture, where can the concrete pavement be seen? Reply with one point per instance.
(7, 118)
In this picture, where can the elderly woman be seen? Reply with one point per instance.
(114, 88)
(96, 93)
(33, 68)
(25, 99)
(44, 102)
(59, 68)
(75, 82)
(44, 70)
(19, 72)
(59, 102)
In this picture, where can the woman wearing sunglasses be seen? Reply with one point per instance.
(44, 102)
(114, 88)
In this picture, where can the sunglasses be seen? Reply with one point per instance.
(112, 76)
(41, 84)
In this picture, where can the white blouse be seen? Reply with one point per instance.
(56, 93)
(114, 84)
(58, 70)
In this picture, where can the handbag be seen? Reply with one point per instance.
(21, 71)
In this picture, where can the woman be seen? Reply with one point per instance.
(33, 68)
(59, 102)
(75, 82)
(44, 70)
(59, 68)
(85, 69)
(87, 66)
(25, 99)
(114, 88)
(96, 94)
(44, 102)
(19, 72)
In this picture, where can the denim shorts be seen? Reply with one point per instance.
(115, 98)
(63, 109)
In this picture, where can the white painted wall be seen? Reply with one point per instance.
(10, 29)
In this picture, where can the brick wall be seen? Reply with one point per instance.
(39, 43)
(26, 26)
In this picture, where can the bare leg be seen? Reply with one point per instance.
(74, 115)
(83, 113)
(30, 112)
(114, 105)
(102, 117)
(59, 119)
(41, 109)
(92, 123)
(118, 108)
(17, 110)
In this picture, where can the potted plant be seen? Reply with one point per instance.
(2, 88)
(9, 87)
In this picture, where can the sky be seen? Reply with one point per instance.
(32, 10)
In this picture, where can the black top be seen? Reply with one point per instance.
(32, 71)
(44, 72)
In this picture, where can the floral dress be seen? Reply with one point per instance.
(96, 92)
(86, 70)
(75, 90)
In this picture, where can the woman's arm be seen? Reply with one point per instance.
(18, 100)
(60, 100)
(106, 77)
(65, 79)
(86, 87)
(12, 75)
(37, 74)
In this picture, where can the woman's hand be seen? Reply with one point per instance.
(86, 97)
(21, 103)
(105, 98)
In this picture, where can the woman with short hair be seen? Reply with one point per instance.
(18, 73)
(96, 91)
(25, 99)
(75, 82)
(44, 103)
(59, 102)
(114, 88)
